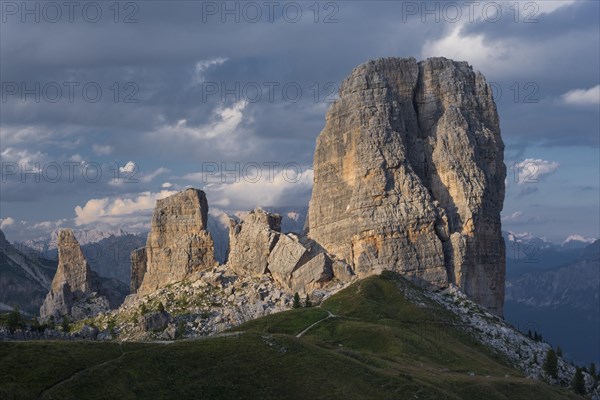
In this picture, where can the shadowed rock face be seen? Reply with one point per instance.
(178, 244)
(409, 176)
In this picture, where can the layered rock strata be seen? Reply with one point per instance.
(409, 176)
(178, 244)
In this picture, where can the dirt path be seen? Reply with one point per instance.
(81, 371)
(330, 315)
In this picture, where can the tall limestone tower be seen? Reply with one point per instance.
(409, 176)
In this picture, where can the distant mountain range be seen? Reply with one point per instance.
(25, 278)
(525, 252)
(107, 252)
(559, 296)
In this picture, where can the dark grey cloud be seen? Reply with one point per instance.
(159, 55)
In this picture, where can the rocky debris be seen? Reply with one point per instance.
(155, 321)
(296, 263)
(74, 292)
(409, 176)
(178, 244)
(523, 352)
(216, 301)
(88, 332)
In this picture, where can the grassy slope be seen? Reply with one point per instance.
(381, 347)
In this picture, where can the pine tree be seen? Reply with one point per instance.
(13, 321)
(551, 364)
(558, 351)
(307, 302)
(296, 301)
(65, 324)
(529, 334)
(593, 372)
(161, 307)
(578, 382)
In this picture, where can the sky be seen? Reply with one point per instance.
(107, 107)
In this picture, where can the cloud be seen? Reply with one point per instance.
(519, 218)
(119, 211)
(4, 222)
(582, 97)
(102, 150)
(532, 170)
(224, 123)
(167, 185)
(146, 178)
(129, 167)
(202, 66)
(527, 190)
(462, 47)
(284, 187)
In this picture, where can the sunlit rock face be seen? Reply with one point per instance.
(409, 176)
(178, 244)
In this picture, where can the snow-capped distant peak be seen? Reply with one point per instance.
(578, 238)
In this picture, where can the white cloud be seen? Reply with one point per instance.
(27, 161)
(149, 177)
(283, 188)
(582, 97)
(226, 121)
(532, 170)
(460, 47)
(4, 222)
(129, 167)
(102, 150)
(519, 218)
(167, 185)
(117, 210)
(202, 66)
(49, 225)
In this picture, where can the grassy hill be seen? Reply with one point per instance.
(367, 342)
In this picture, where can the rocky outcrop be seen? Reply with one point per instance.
(74, 289)
(409, 176)
(257, 247)
(138, 268)
(252, 240)
(178, 244)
